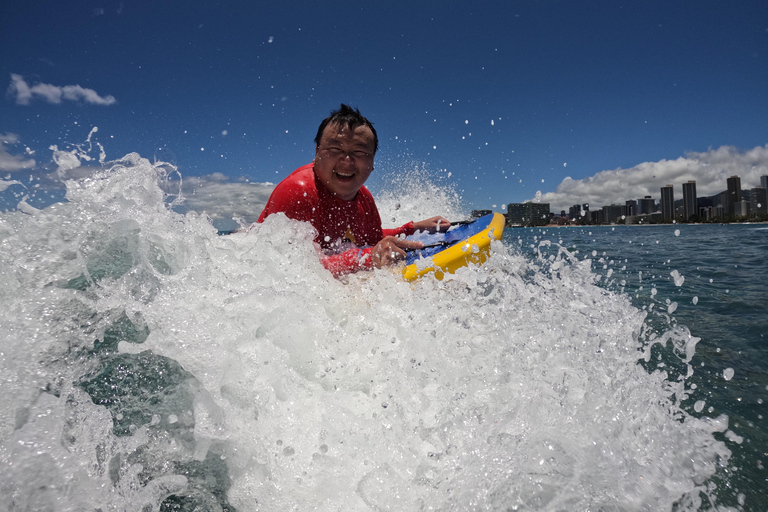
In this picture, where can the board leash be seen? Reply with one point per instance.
(444, 243)
(436, 244)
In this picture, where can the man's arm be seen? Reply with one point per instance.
(405, 229)
(431, 225)
(387, 252)
(348, 262)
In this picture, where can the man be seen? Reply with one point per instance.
(330, 194)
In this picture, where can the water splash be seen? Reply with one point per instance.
(148, 360)
(412, 191)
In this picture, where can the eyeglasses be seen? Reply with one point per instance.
(337, 153)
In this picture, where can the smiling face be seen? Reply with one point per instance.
(344, 159)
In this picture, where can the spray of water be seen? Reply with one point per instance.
(147, 360)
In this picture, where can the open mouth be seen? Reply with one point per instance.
(343, 176)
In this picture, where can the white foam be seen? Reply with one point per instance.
(514, 384)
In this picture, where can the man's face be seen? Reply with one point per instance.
(344, 159)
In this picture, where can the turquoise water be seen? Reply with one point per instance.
(722, 299)
(149, 363)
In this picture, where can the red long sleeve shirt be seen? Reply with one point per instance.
(346, 230)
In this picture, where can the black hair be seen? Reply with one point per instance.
(349, 117)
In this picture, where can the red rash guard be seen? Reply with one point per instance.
(302, 197)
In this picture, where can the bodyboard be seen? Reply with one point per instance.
(456, 248)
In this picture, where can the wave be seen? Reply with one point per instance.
(149, 361)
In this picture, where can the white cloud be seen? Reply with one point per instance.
(709, 169)
(221, 199)
(10, 162)
(5, 184)
(24, 94)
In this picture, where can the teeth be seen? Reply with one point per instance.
(343, 175)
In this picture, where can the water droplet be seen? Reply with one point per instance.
(679, 280)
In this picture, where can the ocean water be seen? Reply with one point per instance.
(706, 280)
(149, 363)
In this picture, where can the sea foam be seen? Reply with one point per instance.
(147, 359)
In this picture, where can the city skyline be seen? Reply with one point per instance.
(710, 170)
(731, 203)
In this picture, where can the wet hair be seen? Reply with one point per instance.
(349, 117)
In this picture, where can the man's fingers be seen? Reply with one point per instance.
(443, 224)
(391, 250)
(433, 224)
(408, 244)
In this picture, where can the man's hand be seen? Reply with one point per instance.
(391, 250)
(433, 225)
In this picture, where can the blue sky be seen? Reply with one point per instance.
(500, 99)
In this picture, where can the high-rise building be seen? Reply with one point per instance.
(733, 196)
(647, 205)
(517, 214)
(757, 198)
(742, 208)
(631, 207)
(579, 212)
(764, 182)
(711, 212)
(528, 214)
(476, 214)
(667, 202)
(690, 202)
(613, 213)
(720, 200)
(539, 214)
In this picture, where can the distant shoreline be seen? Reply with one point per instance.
(640, 225)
